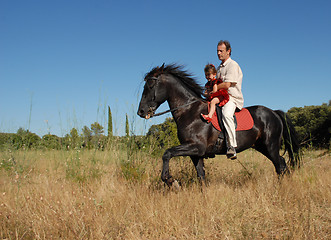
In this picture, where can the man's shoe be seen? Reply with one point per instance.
(231, 153)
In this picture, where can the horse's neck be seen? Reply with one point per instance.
(180, 99)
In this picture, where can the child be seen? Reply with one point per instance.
(220, 97)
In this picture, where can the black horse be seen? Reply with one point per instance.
(198, 139)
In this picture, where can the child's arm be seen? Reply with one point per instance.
(214, 88)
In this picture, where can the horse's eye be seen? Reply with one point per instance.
(151, 82)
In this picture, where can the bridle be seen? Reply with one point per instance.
(151, 110)
(172, 110)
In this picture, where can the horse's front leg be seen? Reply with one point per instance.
(188, 149)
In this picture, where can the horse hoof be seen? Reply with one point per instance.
(175, 186)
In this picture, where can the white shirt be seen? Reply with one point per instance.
(229, 71)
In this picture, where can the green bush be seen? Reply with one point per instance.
(313, 125)
(50, 141)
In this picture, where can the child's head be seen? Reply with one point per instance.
(210, 72)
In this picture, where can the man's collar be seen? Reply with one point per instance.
(226, 62)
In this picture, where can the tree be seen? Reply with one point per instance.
(165, 133)
(110, 124)
(312, 124)
(10, 140)
(51, 141)
(96, 128)
(16, 141)
(87, 136)
(29, 139)
(127, 129)
(21, 131)
(74, 138)
(66, 141)
(161, 136)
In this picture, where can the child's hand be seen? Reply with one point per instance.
(206, 94)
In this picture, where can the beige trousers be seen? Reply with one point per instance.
(227, 112)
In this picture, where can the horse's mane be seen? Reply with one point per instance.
(179, 73)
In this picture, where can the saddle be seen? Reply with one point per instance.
(243, 120)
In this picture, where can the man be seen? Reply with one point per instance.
(230, 72)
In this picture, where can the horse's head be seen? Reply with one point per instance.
(154, 93)
(160, 85)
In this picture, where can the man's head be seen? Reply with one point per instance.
(223, 50)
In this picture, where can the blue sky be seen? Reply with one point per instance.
(62, 63)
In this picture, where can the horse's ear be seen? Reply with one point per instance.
(162, 67)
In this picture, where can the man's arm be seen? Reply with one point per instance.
(223, 85)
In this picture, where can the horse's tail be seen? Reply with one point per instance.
(291, 141)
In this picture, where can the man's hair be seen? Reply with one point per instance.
(227, 45)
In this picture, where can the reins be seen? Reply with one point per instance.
(249, 173)
(174, 109)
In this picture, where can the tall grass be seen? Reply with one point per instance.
(90, 195)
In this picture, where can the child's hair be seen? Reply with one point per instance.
(210, 68)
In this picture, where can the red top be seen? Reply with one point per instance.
(209, 85)
(221, 94)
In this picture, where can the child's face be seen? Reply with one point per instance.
(210, 76)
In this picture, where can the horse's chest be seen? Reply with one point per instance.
(188, 130)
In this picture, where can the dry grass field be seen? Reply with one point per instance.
(116, 195)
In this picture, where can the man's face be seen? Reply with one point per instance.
(222, 54)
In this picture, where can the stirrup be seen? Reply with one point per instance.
(231, 153)
(206, 118)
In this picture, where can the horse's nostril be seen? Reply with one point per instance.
(140, 112)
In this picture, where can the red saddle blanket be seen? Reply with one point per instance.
(244, 120)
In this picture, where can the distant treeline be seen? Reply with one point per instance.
(24, 139)
(90, 138)
(313, 125)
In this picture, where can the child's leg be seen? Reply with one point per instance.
(212, 109)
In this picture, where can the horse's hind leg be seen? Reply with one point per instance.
(283, 166)
(272, 152)
(278, 161)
